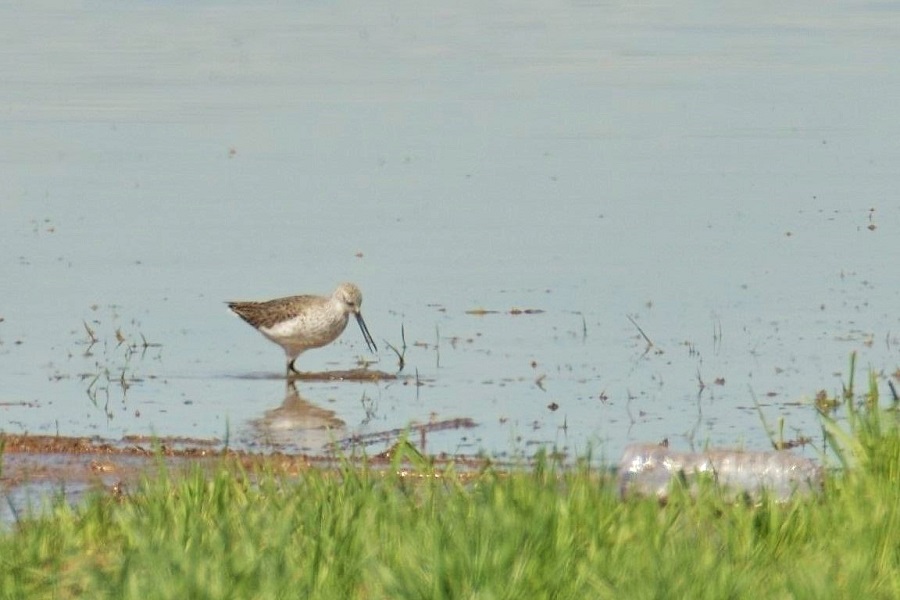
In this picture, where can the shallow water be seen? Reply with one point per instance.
(726, 177)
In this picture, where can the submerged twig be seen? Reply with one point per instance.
(401, 361)
(848, 388)
(437, 345)
(650, 343)
(90, 333)
(145, 344)
(419, 384)
(717, 336)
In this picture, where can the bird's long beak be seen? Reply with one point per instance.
(365, 331)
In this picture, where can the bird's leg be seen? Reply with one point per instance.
(291, 368)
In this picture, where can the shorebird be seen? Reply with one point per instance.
(298, 323)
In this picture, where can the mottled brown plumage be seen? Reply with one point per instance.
(298, 323)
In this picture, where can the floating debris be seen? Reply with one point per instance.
(480, 312)
(649, 469)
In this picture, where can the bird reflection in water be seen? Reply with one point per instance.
(298, 424)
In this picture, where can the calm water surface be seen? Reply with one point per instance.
(725, 176)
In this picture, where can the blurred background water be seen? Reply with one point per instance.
(724, 175)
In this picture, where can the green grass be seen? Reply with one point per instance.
(542, 532)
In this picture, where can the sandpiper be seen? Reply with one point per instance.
(298, 323)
